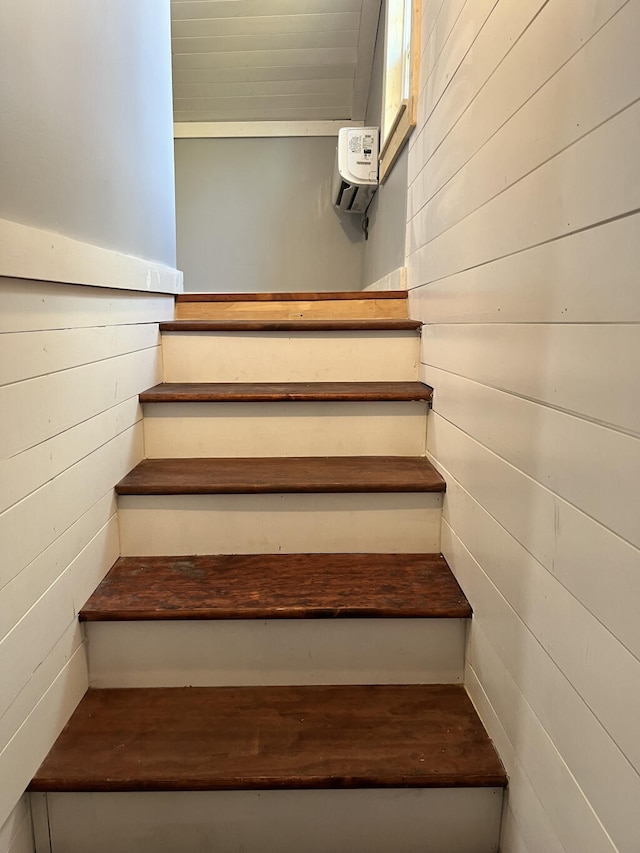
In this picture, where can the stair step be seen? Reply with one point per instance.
(221, 392)
(279, 475)
(290, 351)
(325, 325)
(249, 738)
(280, 523)
(329, 305)
(307, 295)
(257, 619)
(306, 419)
(373, 820)
(277, 586)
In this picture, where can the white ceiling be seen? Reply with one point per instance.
(272, 60)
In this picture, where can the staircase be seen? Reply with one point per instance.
(277, 658)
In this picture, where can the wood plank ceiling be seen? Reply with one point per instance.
(272, 60)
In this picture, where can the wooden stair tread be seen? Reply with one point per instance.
(299, 296)
(232, 738)
(277, 586)
(281, 391)
(351, 325)
(255, 475)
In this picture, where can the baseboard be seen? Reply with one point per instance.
(395, 280)
(32, 253)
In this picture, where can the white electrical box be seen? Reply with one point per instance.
(356, 172)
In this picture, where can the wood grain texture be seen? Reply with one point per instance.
(307, 296)
(353, 325)
(244, 392)
(278, 586)
(251, 475)
(335, 309)
(250, 738)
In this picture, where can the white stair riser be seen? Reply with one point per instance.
(290, 357)
(153, 525)
(284, 429)
(275, 651)
(431, 820)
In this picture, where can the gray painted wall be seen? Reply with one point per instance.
(257, 215)
(384, 250)
(86, 140)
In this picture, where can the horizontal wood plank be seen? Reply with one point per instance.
(335, 309)
(392, 325)
(263, 586)
(238, 392)
(275, 475)
(272, 737)
(306, 295)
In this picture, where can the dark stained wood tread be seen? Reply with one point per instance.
(245, 392)
(239, 738)
(277, 586)
(354, 325)
(255, 475)
(300, 296)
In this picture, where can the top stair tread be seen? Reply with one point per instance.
(239, 738)
(298, 296)
(280, 586)
(304, 325)
(274, 475)
(281, 391)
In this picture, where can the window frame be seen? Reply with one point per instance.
(400, 85)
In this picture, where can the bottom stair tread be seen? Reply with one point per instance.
(256, 738)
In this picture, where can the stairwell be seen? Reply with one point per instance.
(277, 659)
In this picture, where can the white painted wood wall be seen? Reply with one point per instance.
(523, 253)
(72, 362)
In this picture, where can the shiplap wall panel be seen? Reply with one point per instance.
(603, 772)
(41, 353)
(268, 42)
(551, 201)
(596, 82)
(522, 259)
(183, 9)
(596, 566)
(268, 113)
(59, 401)
(237, 76)
(574, 821)
(263, 88)
(53, 613)
(561, 281)
(436, 76)
(15, 834)
(564, 453)
(608, 678)
(517, 91)
(73, 362)
(563, 365)
(58, 503)
(24, 473)
(33, 306)
(184, 28)
(500, 33)
(526, 825)
(447, 18)
(79, 546)
(265, 58)
(53, 703)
